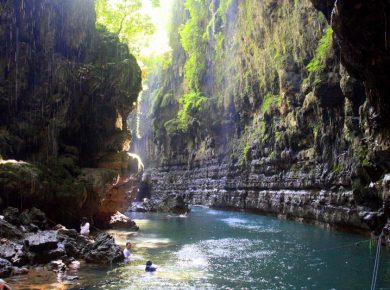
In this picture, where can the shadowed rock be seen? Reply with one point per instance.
(103, 250)
(43, 241)
(5, 268)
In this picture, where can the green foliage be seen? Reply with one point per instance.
(155, 3)
(190, 104)
(245, 153)
(317, 64)
(191, 37)
(157, 63)
(279, 136)
(192, 40)
(268, 100)
(172, 126)
(195, 36)
(126, 19)
(219, 40)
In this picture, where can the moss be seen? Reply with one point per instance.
(273, 156)
(167, 100)
(268, 101)
(317, 64)
(191, 104)
(18, 170)
(246, 154)
(261, 130)
(279, 137)
(336, 168)
(69, 164)
(172, 127)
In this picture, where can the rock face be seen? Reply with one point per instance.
(263, 115)
(66, 89)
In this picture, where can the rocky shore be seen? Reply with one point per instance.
(28, 240)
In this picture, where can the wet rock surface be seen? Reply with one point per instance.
(120, 221)
(57, 247)
(103, 250)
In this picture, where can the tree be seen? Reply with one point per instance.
(126, 18)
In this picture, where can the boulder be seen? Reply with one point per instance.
(138, 206)
(5, 268)
(57, 265)
(173, 203)
(71, 233)
(47, 256)
(74, 246)
(13, 252)
(43, 241)
(12, 215)
(120, 221)
(103, 250)
(19, 271)
(9, 231)
(34, 217)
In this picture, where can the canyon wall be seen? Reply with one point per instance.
(273, 106)
(66, 88)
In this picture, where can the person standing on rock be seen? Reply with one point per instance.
(84, 228)
(127, 253)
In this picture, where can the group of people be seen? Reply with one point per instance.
(126, 254)
(85, 229)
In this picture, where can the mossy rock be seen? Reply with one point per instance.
(172, 127)
(19, 181)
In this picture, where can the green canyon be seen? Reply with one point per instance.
(260, 109)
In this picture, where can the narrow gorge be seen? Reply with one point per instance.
(274, 106)
(239, 144)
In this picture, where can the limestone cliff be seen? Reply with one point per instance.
(66, 88)
(267, 107)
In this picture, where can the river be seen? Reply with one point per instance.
(215, 249)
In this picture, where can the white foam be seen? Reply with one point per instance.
(191, 256)
(252, 226)
(237, 249)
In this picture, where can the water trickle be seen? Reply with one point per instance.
(138, 158)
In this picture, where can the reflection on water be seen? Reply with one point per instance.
(210, 249)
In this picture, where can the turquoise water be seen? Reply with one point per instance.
(212, 249)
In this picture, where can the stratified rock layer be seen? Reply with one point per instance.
(295, 120)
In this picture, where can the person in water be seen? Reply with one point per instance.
(84, 228)
(127, 252)
(149, 267)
